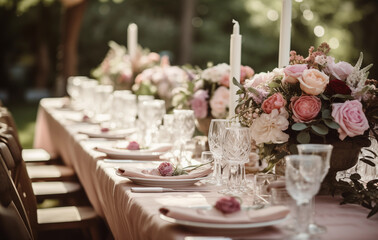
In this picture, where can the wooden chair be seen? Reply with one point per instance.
(63, 190)
(34, 155)
(41, 172)
(68, 217)
(14, 223)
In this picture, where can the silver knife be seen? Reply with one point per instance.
(161, 189)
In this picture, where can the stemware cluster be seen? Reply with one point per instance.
(230, 145)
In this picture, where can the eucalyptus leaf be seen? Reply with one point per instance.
(343, 96)
(320, 129)
(274, 85)
(298, 126)
(324, 96)
(331, 124)
(237, 83)
(326, 113)
(303, 137)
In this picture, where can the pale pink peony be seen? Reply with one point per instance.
(199, 103)
(219, 102)
(340, 70)
(268, 128)
(227, 205)
(166, 169)
(305, 108)
(225, 81)
(133, 146)
(313, 82)
(276, 101)
(293, 72)
(260, 80)
(351, 118)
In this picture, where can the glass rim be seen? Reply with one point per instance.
(315, 146)
(302, 157)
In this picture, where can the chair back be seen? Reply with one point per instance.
(13, 221)
(23, 186)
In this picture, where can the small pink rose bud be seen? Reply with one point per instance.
(227, 205)
(166, 169)
(133, 146)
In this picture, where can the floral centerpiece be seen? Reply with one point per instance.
(208, 96)
(119, 69)
(160, 81)
(312, 100)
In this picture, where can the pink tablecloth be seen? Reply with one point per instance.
(135, 215)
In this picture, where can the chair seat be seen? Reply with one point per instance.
(50, 172)
(54, 189)
(64, 217)
(35, 155)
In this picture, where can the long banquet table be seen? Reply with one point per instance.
(132, 215)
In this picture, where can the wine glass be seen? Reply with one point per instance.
(215, 138)
(73, 87)
(151, 113)
(184, 128)
(236, 149)
(302, 176)
(324, 151)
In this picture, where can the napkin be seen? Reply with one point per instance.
(120, 133)
(212, 215)
(157, 148)
(151, 174)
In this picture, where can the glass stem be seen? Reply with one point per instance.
(218, 171)
(233, 178)
(303, 217)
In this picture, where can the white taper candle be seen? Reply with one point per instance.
(285, 34)
(132, 39)
(235, 61)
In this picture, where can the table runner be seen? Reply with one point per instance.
(136, 216)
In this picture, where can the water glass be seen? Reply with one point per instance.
(88, 94)
(236, 149)
(73, 87)
(215, 138)
(324, 151)
(261, 183)
(184, 129)
(102, 100)
(303, 178)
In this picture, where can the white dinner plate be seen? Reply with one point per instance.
(153, 153)
(221, 226)
(171, 183)
(111, 134)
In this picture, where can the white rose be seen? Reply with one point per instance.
(268, 128)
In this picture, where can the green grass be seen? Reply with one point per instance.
(25, 115)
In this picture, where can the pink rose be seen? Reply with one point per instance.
(199, 103)
(340, 70)
(293, 72)
(225, 81)
(219, 102)
(313, 82)
(133, 146)
(227, 205)
(166, 169)
(305, 108)
(246, 72)
(276, 101)
(351, 118)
